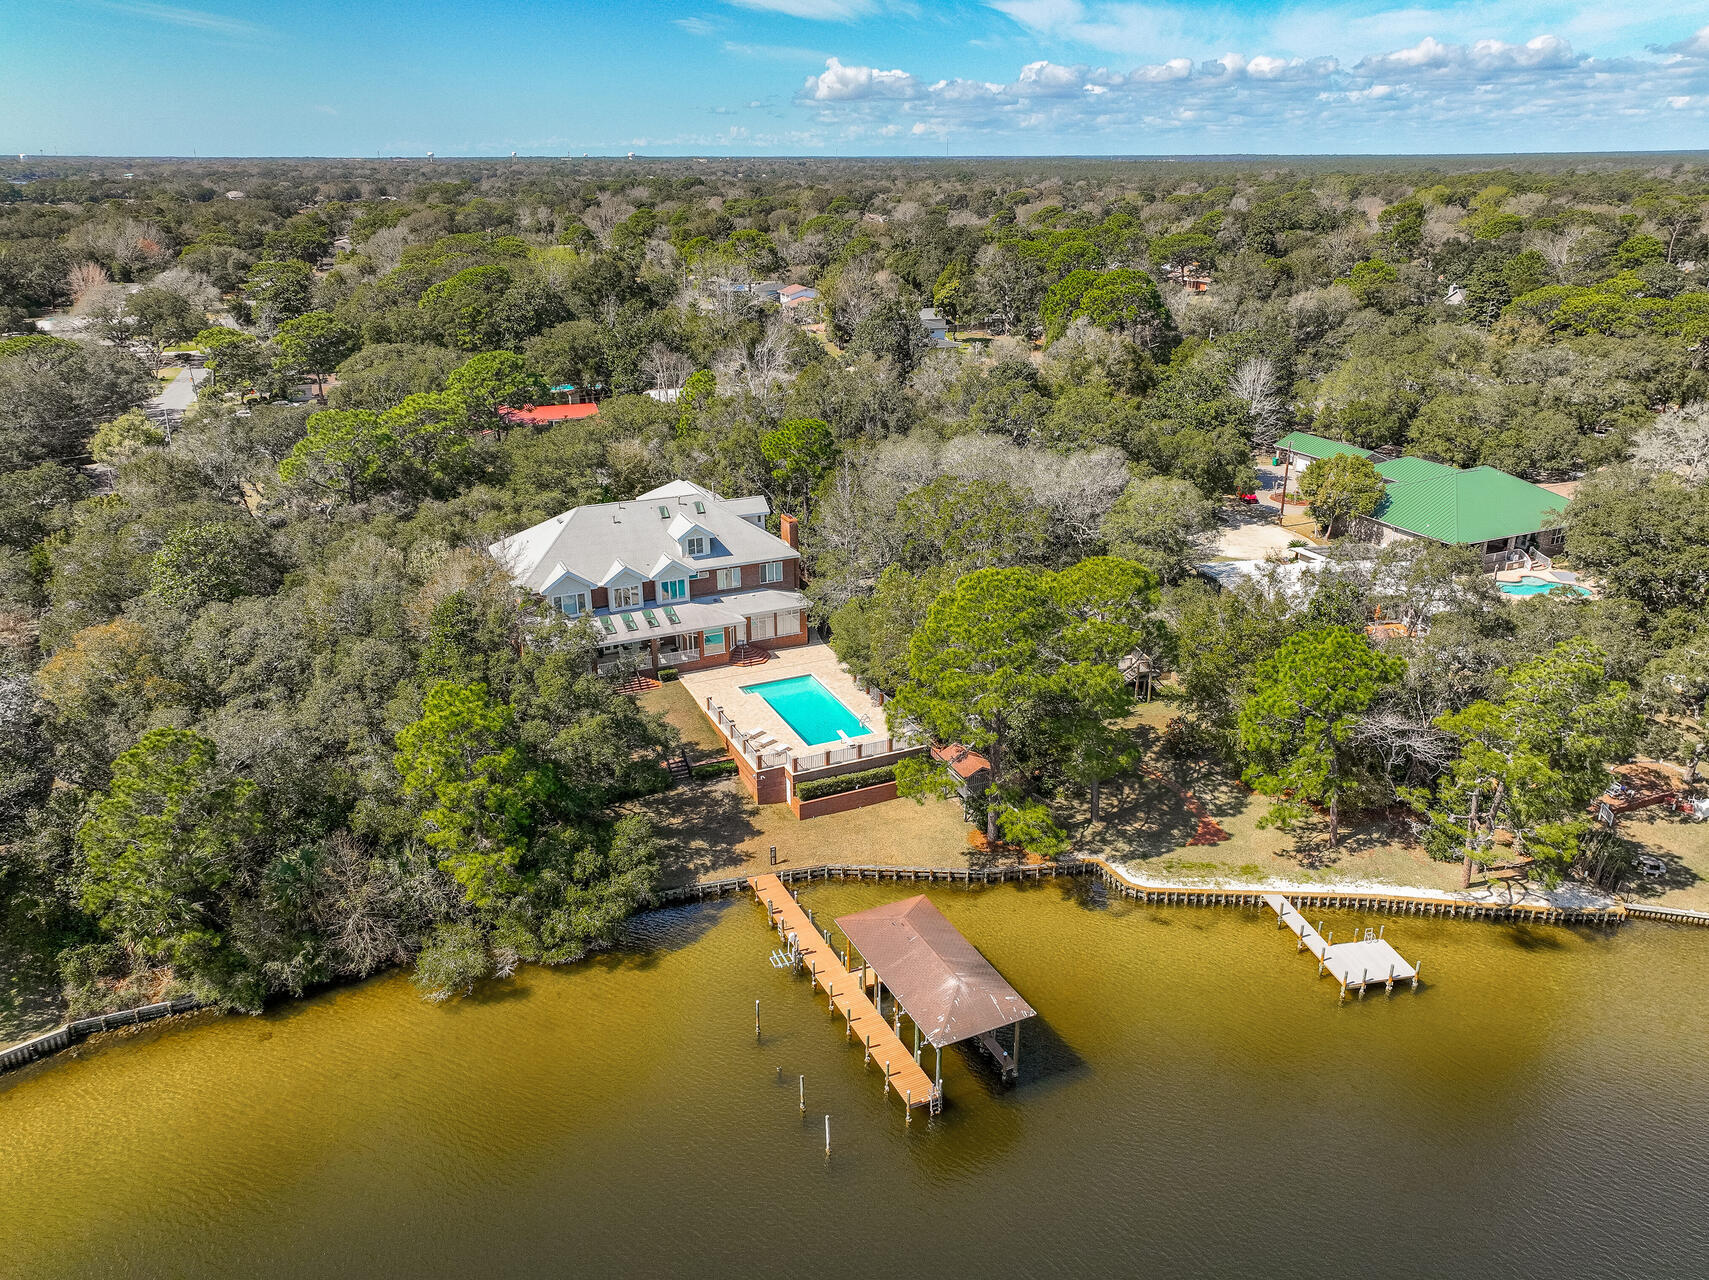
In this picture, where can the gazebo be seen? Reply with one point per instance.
(938, 978)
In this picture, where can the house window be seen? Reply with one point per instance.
(715, 641)
(626, 597)
(772, 572)
(572, 604)
(673, 589)
(695, 546)
(729, 579)
(789, 624)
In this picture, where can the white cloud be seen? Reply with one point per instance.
(1695, 45)
(1429, 94)
(172, 15)
(696, 26)
(818, 10)
(838, 83)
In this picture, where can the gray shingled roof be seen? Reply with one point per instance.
(587, 542)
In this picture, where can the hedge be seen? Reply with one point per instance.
(713, 769)
(821, 787)
(667, 674)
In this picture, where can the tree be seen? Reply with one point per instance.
(166, 851)
(1339, 488)
(800, 451)
(1371, 281)
(53, 393)
(1162, 522)
(1021, 666)
(891, 331)
(464, 310)
(1532, 762)
(124, 437)
(215, 560)
(480, 795)
(1125, 301)
(1644, 534)
(315, 344)
(979, 674)
(1296, 730)
(278, 290)
(382, 375)
(1677, 441)
(236, 361)
(1175, 254)
(348, 452)
(483, 385)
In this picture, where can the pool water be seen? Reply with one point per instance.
(810, 709)
(1530, 585)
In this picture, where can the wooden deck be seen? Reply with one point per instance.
(863, 1023)
(1354, 964)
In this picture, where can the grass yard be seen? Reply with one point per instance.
(676, 705)
(712, 829)
(1683, 846)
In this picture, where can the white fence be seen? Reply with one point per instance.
(762, 752)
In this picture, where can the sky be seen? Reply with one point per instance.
(849, 77)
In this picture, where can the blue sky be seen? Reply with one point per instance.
(848, 77)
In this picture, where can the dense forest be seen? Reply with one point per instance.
(270, 717)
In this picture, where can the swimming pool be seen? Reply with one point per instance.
(810, 709)
(1531, 585)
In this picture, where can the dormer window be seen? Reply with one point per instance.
(694, 545)
(673, 589)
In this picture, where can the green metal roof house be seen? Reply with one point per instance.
(1305, 448)
(1481, 507)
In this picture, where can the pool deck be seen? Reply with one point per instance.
(752, 713)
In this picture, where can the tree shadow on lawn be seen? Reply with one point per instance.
(701, 824)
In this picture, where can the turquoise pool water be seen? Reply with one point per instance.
(810, 709)
(1530, 585)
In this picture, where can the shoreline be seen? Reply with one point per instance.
(1576, 905)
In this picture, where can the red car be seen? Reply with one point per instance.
(1247, 497)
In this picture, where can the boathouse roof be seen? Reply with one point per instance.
(950, 991)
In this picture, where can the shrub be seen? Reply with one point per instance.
(667, 673)
(713, 769)
(822, 787)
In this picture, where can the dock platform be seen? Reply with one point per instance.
(1356, 964)
(847, 995)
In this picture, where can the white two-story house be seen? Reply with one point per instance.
(677, 577)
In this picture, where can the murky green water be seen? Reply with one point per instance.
(1193, 1103)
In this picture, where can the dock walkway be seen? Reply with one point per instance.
(847, 995)
(1353, 964)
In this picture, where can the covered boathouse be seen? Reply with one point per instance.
(938, 978)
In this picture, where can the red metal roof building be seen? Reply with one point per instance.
(540, 414)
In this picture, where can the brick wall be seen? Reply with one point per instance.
(842, 802)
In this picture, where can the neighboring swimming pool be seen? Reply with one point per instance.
(810, 709)
(1531, 585)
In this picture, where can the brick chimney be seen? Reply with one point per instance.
(789, 529)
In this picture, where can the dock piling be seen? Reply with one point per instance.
(756, 1021)
(827, 1137)
(803, 1080)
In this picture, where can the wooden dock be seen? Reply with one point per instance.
(1354, 964)
(846, 994)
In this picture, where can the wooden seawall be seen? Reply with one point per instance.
(847, 996)
(1178, 895)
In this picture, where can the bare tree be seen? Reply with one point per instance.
(84, 277)
(667, 368)
(1677, 441)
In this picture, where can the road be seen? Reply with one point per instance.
(179, 393)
